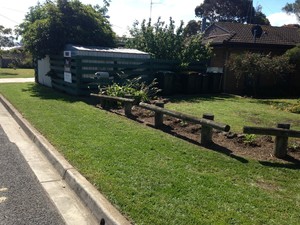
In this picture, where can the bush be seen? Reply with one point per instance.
(134, 88)
(254, 65)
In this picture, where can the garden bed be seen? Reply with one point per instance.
(256, 147)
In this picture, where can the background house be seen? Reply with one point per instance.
(228, 39)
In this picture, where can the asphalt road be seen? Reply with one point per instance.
(23, 201)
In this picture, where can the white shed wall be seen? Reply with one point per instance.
(43, 69)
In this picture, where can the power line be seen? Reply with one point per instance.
(15, 10)
(15, 22)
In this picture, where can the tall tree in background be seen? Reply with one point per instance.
(241, 11)
(165, 41)
(293, 8)
(192, 28)
(259, 17)
(48, 27)
(6, 38)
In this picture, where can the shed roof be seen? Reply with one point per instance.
(103, 51)
(227, 32)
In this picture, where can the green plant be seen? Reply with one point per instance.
(167, 41)
(249, 138)
(48, 26)
(134, 88)
(252, 66)
(294, 146)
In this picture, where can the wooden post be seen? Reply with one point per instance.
(159, 116)
(207, 131)
(128, 107)
(103, 103)
(281, 143)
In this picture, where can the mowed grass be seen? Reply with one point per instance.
(238, 111)
(16, 73)
(154, 178)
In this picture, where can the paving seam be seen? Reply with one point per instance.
(101, 208)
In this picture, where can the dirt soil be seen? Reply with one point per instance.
(234, 145)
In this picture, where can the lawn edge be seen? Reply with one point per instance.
(101, 208)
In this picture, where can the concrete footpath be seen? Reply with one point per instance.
(16, 80)
(77, 201)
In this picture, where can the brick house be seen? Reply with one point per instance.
(228, 39)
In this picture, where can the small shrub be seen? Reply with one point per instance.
(134, 88)
(249, 139)
(294, 146)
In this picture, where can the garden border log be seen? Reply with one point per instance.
(128, 102)
(271, 131)
(282, 132)
(202, 121)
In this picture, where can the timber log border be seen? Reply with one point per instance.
(282, 132)
(207, 121)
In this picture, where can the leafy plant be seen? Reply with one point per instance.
(254, 65)
(165, 41)
(134, 88)
(249, 138)
(294, 146)
(49, 26)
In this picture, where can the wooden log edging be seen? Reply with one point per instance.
(128, 102)
(282, 132)
(207, 121)
(213, 124)
(272, 131)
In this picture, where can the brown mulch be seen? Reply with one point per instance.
(230, 144)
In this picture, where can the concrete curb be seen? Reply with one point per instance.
(101, 208)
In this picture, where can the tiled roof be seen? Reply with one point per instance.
(227, 32)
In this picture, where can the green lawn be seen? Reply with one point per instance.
(16, 73)
(238, 111)
(154, 178)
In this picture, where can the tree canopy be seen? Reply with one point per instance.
(48, 27)
(241, 11)
(6, 38)
(293, 8)
(165, 41)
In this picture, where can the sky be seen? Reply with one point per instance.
(123, 13)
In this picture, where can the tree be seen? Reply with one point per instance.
(241, 11)
(48, 27)
(165, 41)
(6, 38)
(192, 28)
(259, 17)
(293, 8)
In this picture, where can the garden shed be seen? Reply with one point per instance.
(78, 70)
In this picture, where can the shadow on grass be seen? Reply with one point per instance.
(213, 146)
(8, 74)
(47, 93)
(220, 149)
(197, 98)
(294, 164)
(275, 103)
